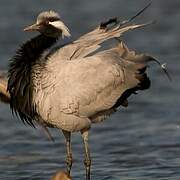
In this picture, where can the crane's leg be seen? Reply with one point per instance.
(87, 160)
(67, 136)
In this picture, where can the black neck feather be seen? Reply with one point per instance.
(19, 74)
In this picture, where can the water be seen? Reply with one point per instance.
(139, 142)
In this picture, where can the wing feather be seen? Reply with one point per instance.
(93, 84)
(91, 41)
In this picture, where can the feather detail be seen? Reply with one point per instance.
(20, 80)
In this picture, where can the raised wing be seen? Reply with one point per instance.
(97, 83)
(91, 41)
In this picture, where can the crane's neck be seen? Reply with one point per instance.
(32, 50)
(20, 71)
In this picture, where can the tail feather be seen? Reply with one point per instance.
(144, 81)
(138, 64)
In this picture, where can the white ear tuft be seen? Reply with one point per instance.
(60, 25)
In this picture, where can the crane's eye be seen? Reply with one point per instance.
(51, 19)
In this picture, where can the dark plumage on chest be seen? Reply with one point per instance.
(20, 75)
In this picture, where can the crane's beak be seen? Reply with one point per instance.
(34, 27)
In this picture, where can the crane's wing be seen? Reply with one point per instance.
(91, 41)
(97, 83)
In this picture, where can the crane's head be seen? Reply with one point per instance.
(49, 24)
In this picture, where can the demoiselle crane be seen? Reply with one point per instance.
(72, 86)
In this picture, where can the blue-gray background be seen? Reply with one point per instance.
(140, 142)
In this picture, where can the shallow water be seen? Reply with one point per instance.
(139, 142)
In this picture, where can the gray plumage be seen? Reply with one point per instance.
(85, 85)
(74, 86)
